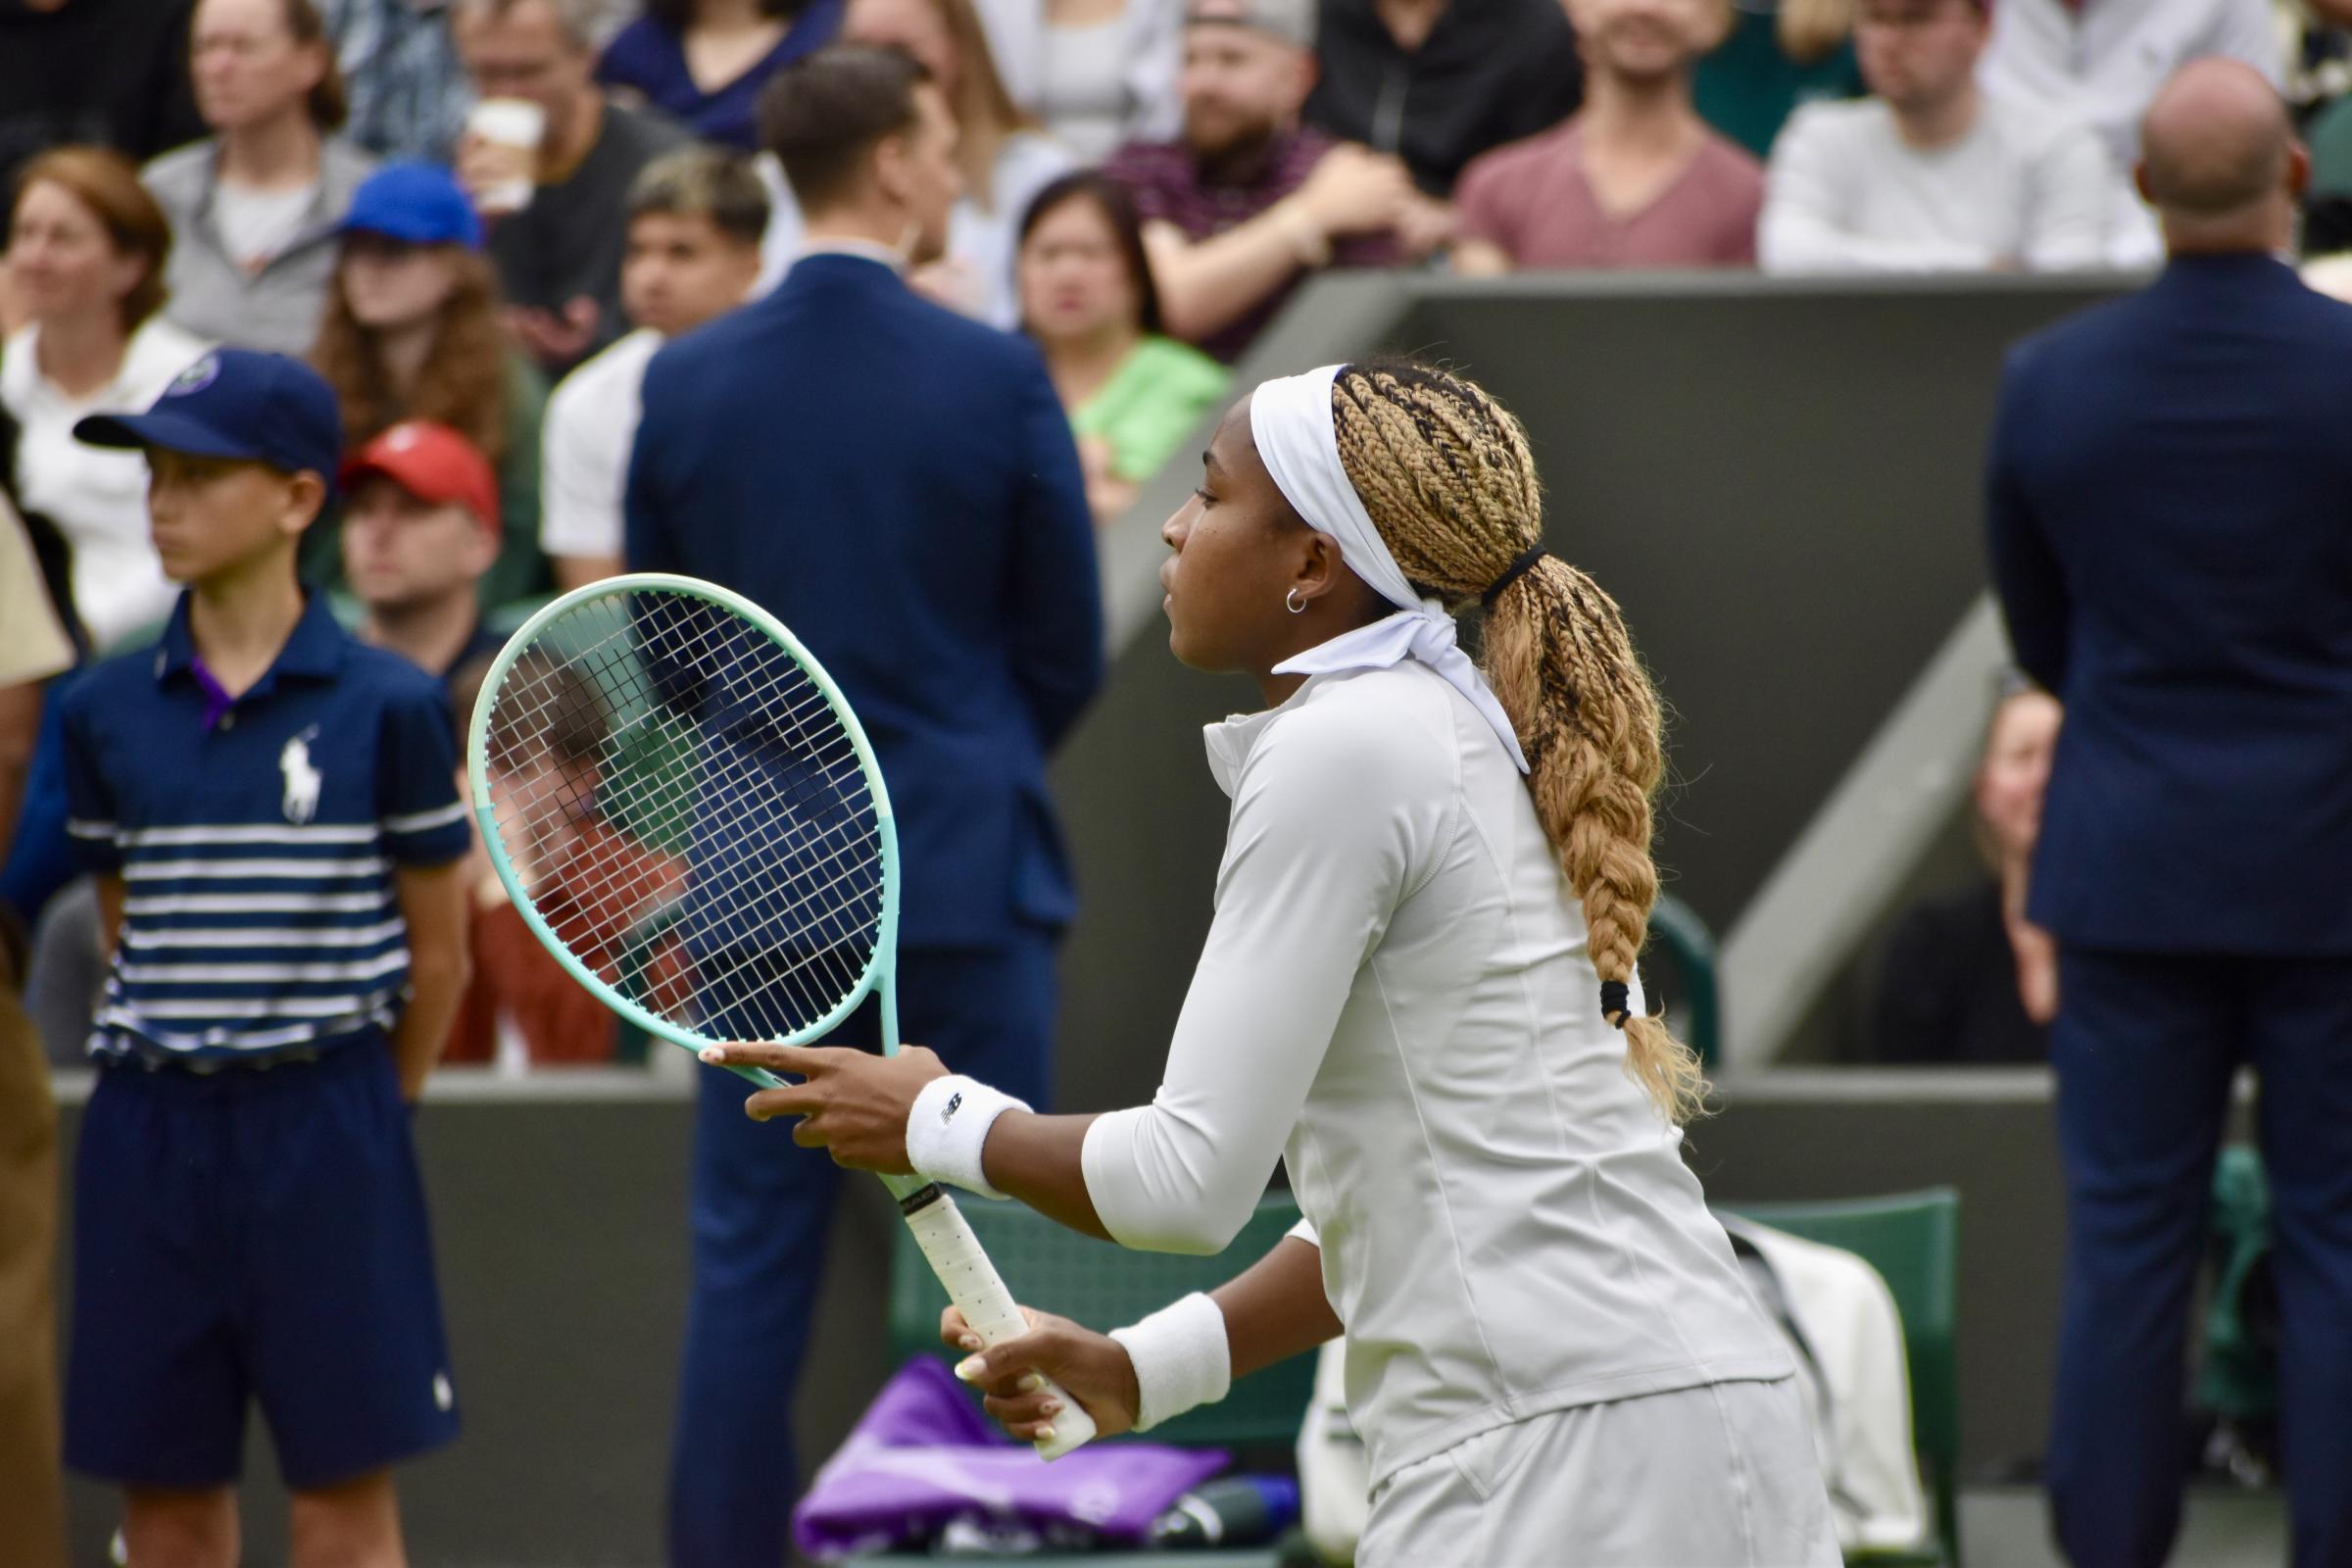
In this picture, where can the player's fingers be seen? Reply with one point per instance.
(802, 1061)
(793, 1100)
(1007, 1368)
(808, 1133)
(954, 1332)
(1023, 1414)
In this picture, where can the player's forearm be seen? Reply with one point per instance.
(437, 983)
(1276, 1308)
(1039, 1161)
(1208, 286)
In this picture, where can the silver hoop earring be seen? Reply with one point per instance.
(1294, 604)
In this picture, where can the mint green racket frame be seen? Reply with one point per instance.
(939, 1227)
(880, 973)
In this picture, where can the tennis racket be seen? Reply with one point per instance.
(688, 817)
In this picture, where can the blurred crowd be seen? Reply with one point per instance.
(479, 220)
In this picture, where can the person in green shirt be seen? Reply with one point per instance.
(1779, 56)
(1133, 393)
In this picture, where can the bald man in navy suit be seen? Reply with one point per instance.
(2170, 501)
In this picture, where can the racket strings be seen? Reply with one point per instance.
(817, 980)
(683, 803)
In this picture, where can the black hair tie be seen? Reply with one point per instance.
(1511, 575)
(1616, 1002)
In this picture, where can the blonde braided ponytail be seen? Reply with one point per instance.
(1447, 476)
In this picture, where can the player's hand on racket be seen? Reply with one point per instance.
(855, 1103)
(1092, 1368)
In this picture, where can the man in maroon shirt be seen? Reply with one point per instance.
(1247, 204)
(1636, 178)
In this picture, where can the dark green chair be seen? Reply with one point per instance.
(1102, 1286)
(1677, 926)
(1913, 1241)
(2330, 138)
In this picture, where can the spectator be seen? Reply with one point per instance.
(1098, 72)
(1636, 178)
(2103, 60)
(559, 256)
(87, 252)
(1240, 211)
(255, 207)
(244, 1234)
(2318, 53)
(1131, 393)
(1779, 56)
(2171, 535)
(1967, 978)
(1006, 160)
(98, 72)
(906, 496)
(35, 856)
(1436, 82)
(704, 63)
(412, 332)
(420, 530)
(695, 221)
(32, 1527)
(35, 649)
(1932, 174)
(591, 880)
(409, 96)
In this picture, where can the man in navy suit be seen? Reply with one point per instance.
(899, 486)
(2171, 516)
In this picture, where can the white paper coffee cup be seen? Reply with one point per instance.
(511, 123)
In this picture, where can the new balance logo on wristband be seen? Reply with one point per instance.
(947, 1113)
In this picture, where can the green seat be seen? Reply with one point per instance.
(1103, 1286)
(2330, 138)
(1693, 945)
(1913, 1241)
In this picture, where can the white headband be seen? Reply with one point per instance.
(1290, 421)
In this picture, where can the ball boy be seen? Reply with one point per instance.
(271, 810)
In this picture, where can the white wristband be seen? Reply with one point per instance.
(949, 1126)
(1181, 1360)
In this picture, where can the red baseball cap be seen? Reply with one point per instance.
(432, 462)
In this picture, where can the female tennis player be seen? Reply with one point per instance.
(1419, 992)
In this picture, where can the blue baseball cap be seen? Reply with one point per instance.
(417, 203)
(234, 403)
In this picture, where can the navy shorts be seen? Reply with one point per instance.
(253, 1235)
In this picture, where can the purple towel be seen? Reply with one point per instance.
(923, 1453)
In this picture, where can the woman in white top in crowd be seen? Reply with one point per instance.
(1418, 990)
(87, 252)
(256, 206)
(1005, 159)
(1098, 72)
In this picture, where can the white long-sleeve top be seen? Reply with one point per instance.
(1845, 193)
(1396, 998)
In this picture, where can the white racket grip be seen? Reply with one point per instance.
(955, 1255)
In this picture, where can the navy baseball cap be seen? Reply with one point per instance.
(234, 403)
(417, 203)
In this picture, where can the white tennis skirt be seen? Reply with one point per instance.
(1720, 1475)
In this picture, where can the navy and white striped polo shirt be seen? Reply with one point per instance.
(257, 839)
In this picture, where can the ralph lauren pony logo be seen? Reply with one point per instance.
(302, 778)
